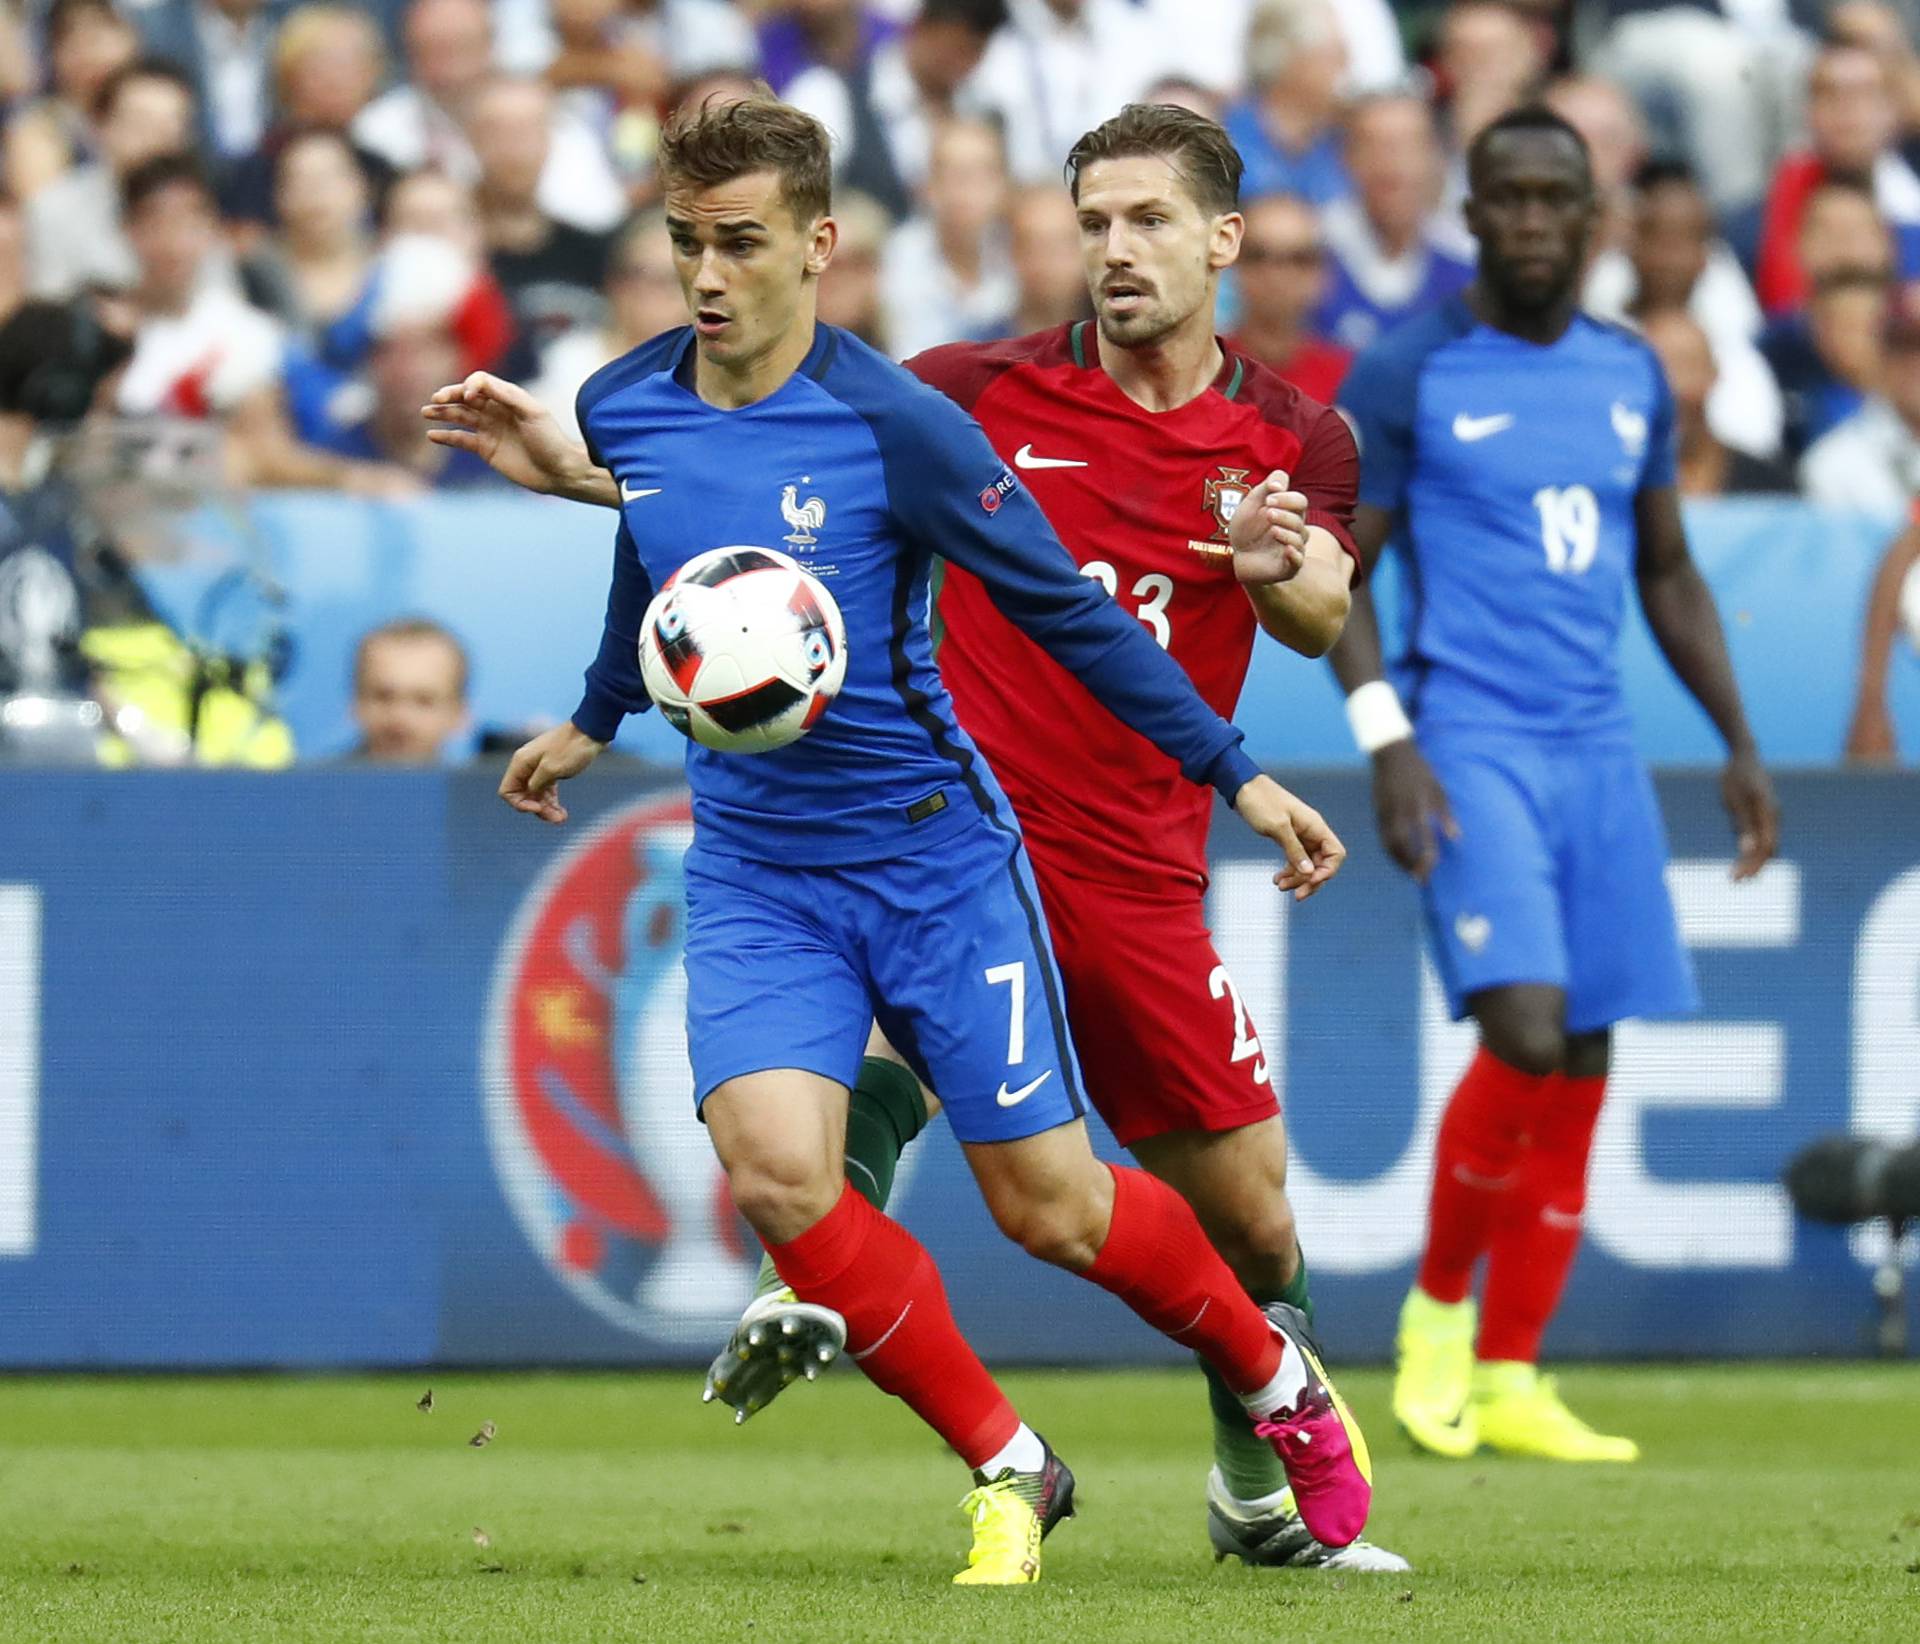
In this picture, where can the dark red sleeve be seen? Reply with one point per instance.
(960, 370)
(1329, 474)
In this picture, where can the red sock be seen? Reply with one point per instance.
(1535, 1242)
(1475, 1159)
(1158, 1261)
(900, 1331)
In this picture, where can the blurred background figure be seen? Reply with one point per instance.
(1489, 56)
(1675, 261)
(328, 62)
(1893, 615)
(849, 292)
(424, 119)
(86, 41)
(1851, 127)
(225, 48)
(1870, 462)
(1825, 354)
(882, 110)
(1281, 279)
(1616, 139)
(1049, 276)
(202, 353)
(1392, 254)
(1287, 128)
(945, 273)
(842, 35)
(314, 268)
(1720, 80)
(409, 693)
(550, 270)
(1708, 466)
(1058, 68)
(642, 300)
(74, 236)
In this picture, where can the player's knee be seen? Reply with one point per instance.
(1061, 1229)
(781, 1199)
(1262, 1246)
(1531, 1043)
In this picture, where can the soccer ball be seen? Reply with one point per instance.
(743, 650)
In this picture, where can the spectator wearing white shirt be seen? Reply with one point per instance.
(881, 113)
(449, 46)
(850, 288)
(1056, 70)
(1676, 259)
(1870, 463)
(202, 353)
(946, 273)
(73, 224)
(1199, 42)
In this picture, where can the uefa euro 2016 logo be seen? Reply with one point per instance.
(588, 1095)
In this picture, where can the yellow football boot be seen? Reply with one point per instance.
(1519, 1412)
(1011, 1516)
(1433, 1374)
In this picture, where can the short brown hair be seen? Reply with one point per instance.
(1198, 148)
(405, 629)
(719, 141)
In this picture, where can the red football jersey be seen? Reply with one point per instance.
(1142, 500)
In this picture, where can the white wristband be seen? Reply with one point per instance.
(1376, 717)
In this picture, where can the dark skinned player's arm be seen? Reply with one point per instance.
(1686, 626)
(1870, 738)
(1408, 802)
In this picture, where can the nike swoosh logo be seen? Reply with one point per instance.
(1467, 429)
(1013, 1098)
(630, 492)
(1024, 458)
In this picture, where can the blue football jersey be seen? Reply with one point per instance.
(862, 474)
(1513, 467)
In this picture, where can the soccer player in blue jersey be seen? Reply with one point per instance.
(873, 871)
(1524, 454)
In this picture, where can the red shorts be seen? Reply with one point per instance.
(1164, 1040)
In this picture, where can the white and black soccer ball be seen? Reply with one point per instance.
(743, 649)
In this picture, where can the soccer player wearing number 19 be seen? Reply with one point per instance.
(1525, 451)
(874, 868)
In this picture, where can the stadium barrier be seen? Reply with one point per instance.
(1791, 581)
(358, 1068)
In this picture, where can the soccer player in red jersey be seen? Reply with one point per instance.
(1212, 499)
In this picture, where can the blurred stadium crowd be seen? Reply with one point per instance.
(304, 217)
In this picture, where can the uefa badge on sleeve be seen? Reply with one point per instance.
(997, 492)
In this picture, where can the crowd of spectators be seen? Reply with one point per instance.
(306, 215)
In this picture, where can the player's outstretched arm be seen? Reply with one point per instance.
(1686, 625)
(1408, 802)
(534, 774)
(516, 436)
(1870, 736)
(1298, 577)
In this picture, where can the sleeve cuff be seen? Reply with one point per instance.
(599, 715)
(1231, 771)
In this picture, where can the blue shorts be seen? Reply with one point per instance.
(1558, 877)
(946, 949)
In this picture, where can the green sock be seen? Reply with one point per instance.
(885, 1112)
(1247, 1463)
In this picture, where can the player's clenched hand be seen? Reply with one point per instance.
(1756, 817)
(1410, 804)
(515, 435)
(1269, 532)
(535, 772)
(1312, 849)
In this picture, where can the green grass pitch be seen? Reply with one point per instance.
(1778, 1502)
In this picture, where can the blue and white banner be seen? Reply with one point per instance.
(356, 1068)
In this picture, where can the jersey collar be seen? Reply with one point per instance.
(1227, 382)
(819, 359)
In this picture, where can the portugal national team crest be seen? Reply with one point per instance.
(588, 1095)
(1222, 498)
